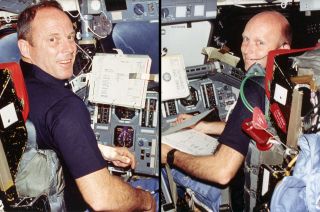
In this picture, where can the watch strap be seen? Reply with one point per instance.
(170, 157)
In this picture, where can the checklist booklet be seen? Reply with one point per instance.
(174, 81)
(119, 79)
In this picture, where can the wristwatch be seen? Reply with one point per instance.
(170, 156)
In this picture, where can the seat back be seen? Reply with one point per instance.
(20, 160)
(14, 109)
(19, 85)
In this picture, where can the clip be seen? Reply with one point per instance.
(260, 136)
(119, 51)
(144, 76)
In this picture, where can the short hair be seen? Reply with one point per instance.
(27, 16)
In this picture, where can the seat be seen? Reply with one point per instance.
(14, 109)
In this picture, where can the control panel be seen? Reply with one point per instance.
(124, 10)
(217, 71)
(308, 5)
(205, 94)
(190, 10)
(214, 85)
(136, 129)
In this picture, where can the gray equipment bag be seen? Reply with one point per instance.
(40, 172)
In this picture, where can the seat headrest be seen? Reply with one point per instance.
(19, 85)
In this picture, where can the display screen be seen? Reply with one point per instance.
(123, 136)
(124, 112)
(114, 5)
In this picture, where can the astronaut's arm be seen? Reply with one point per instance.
(104, 192)
(220, 167)
(212, 127)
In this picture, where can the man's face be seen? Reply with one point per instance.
(260, 36)
(53, 47)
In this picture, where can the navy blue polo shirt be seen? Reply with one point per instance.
(62, 123)
(233, 135)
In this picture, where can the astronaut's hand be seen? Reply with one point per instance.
(119, 156)
(183, 117)
(200, 126)
(164, 151)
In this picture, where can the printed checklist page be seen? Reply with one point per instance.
(191, 141)
(174, 81)
(118, 79)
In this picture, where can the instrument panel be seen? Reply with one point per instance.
(190, 10)
(212, 86)
(206, 94)
(136, 129)
(123, 10)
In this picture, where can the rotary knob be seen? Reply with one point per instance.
(140, 142)
(164, 12)
(138, 9)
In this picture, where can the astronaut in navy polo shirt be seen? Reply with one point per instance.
(46, 40)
